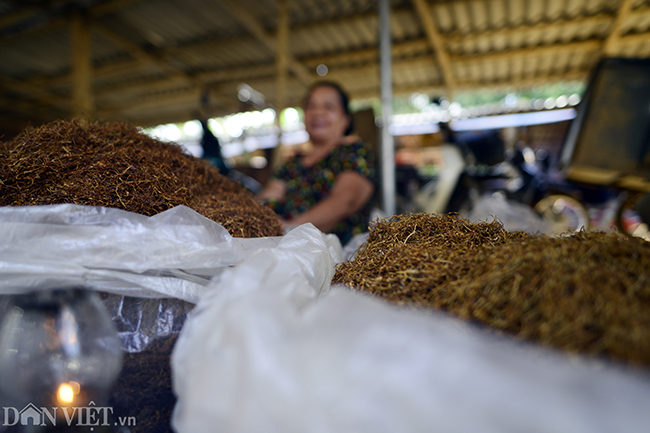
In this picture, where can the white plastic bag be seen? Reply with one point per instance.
(270, 349)
(513, 215)
(172, 254)
(170, 258)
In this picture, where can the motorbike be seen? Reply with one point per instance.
(478, 166)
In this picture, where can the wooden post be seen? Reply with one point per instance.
(436, 42)
(82, 98)
(282, 53)
(282, 70)
(611, 44)
(253, 25)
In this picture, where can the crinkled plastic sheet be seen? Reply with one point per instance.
(513, 215)
(139, 321)
(172, 254)
(272, 348)
(151, 270)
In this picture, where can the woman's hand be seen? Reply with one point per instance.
(349, 194)
(275, 189)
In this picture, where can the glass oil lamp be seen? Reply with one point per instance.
(58, 348)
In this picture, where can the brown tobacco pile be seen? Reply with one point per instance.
(586, 293)
(144, 388)
(149, 329)
(115, 165)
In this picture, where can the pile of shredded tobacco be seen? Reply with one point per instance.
(586, 293)
(116, 165)
(143, 389)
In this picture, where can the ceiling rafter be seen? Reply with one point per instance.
(56, 22)
(436, 42)
(370, 69)
(141, 81)
(36, 92)
(357, 56)
(614, 36)
(571, 47)
(225, 106)
(40, 92)
(253, 25)
(522, 30)
(457, 61)
(282, 56)
(143, 56)
(83, 104)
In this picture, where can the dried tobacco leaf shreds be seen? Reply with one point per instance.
(115, 165)
(586, 293)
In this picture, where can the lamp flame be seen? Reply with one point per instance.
(67, 392)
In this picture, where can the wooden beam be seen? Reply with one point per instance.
(142, 56)
(356, 56)
(368, 55)
(342, 60)
(180, 103)
(109, 7)
(33, 91)
(506, 33)
(282, 54)
(434, 89)
(254, 27)
(82, 97)
(231, 75)
(610, 46)
(267, 73)
(175, 114)
(590, 45)
(636, 38)
(423, 11)
(15, 17)
(24, 107)
(120, 67)
(579, 75)
(180, 97)
(185, 100)
(57, 22)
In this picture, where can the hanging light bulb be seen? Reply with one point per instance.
(58, 348)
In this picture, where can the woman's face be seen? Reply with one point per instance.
(325, 119)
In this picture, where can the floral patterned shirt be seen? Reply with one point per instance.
(307, 186)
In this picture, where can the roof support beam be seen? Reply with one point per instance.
(35, 92)
(266, 72)
(436, 42)
(97, 11)
(183, 99)
(13, 18)
(282, 73)
(611, 43)
(282, 54)
(242, 15)
(357, 56)
(82, 97)
(142, 56)
(455, 39)
(571, 47)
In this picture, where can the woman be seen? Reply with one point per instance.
(330, 186)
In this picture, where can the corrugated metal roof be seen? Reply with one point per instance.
(155, 57)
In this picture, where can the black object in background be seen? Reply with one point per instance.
(212, 149)
(611, 130)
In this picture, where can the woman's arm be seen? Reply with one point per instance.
(275, 189)
(350, 193)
